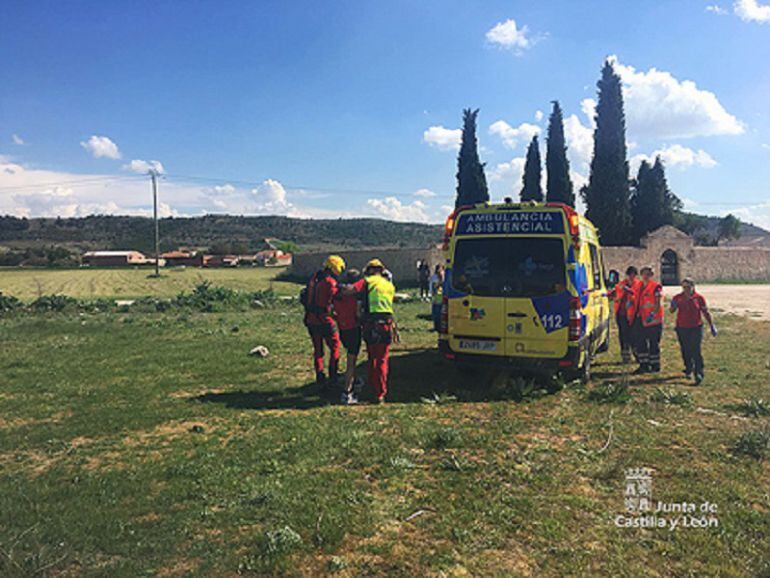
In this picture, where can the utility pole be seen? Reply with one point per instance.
(154, 177)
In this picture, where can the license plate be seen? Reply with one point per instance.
(477, 345)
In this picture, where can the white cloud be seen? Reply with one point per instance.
(17, 140)
(588, 106)
(510, 171)
(424, 193)
(393, 209)
(675, 156)
(580, 143)
(752, 11)
(511, 136)
(660, 106)
(101, 146)
(539, 115)
(442, 138)
(758, 214)
(716, 9)
(270, 198)
(141, 167)
(226, 189)
(689, 204)
(509, 36)
(766, 146)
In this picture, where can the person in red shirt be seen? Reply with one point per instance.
(348, 320)
(624, 297)
(691, 309)
(650, 322)
(320, 291)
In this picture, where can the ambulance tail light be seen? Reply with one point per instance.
(451, 222)
(573, 219)
(444, 323)
(575, 331)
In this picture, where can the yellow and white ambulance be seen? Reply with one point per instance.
(524, 286)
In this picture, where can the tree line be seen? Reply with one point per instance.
(623, 209)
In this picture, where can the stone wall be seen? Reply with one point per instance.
(704, 264)
(401, 262)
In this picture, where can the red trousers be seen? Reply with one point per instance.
(333, 343)
(378, 367)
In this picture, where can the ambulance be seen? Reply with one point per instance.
(524, 287)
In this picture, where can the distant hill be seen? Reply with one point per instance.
(226, 233)
(247, 233)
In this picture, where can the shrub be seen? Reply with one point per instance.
(53, 303)
(752, 408)
(8, 303)
(671, 397)
(754, 444)
(610, 392)
(445, 438)
(207, 297)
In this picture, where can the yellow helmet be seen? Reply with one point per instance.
(335, 264)
(375, 264)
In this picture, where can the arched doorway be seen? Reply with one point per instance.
(669, 268)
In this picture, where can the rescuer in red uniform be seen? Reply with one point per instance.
(650, 315)
(319, 293)
(377, 297)
(625, 297)
(690, 307)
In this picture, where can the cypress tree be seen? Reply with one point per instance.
(607, 195)
(532, 190)
(559, 185)
(471, 181)
(652, 204)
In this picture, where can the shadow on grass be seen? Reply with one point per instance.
(414, 377)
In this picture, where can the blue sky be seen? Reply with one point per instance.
(352, 108)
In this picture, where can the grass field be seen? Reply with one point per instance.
(28, 284)
(152, 444)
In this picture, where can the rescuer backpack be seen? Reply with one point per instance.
(308, 294)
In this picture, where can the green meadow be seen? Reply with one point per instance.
(149, 443)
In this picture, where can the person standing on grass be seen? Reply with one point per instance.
(423, 274)
(691, 309)
(437, 295)
(650, 315)
(376, 294)
(318, 296)
(349, 323)
(624, 297)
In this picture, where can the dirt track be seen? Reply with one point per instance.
(750, 300)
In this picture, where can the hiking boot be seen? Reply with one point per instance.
(698, 379)
(358, 385)
(348, 398)
(320, 379)
(380, 400)
(687, 373)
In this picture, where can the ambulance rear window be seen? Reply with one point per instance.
(509, 267)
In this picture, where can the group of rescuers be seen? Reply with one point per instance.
(344, 311)
(639, 315)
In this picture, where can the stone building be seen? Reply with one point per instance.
(671, 252)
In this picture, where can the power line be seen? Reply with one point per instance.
(77, 182)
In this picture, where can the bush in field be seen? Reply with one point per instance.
(754, 443)
(610, 392)
(752, 408)
(8, 303)
(671, 397)
(53, 303)
(207, 297)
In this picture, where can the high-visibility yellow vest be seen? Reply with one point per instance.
(380, 294)
(438, 296)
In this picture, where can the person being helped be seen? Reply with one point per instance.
(437, 296)
(650, 315)
(319, 294)
(624, 297)
(690, 307)
(348, 320)
(376, 294)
